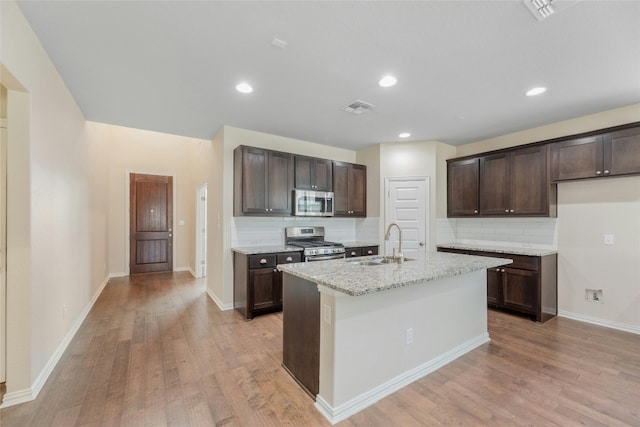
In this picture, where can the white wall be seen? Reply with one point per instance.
(141, 151)
(63, 219)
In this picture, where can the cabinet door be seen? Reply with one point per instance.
(529, 182)
(495, 189)
(285, 258)
(340, 188)
(622, 152)
(577, 158)
(303, 173)
(254, 173)
(279, 182)
(494, 285)
(462, 187)
(322, 175)
(521, 290)
(358, 190)
(262, 286)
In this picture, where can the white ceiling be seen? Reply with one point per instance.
(462, 66)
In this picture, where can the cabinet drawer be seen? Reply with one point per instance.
(289, 257)
(523, 262)
(369, 250)
(261, 261)
(352, 252)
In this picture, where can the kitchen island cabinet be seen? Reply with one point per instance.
(355, 331)
(357, 251)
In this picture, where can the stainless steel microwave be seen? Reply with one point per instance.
(312, 203)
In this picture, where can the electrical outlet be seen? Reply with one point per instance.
(409, 336)
(593, 295)
(326, 313)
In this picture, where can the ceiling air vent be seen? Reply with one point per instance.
(358, 107)
(542, 9)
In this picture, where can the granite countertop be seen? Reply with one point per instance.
(347, 276)
(254, 250)
(498, 249)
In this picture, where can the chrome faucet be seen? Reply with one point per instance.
(398, 257)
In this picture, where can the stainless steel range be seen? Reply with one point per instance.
(311, 239)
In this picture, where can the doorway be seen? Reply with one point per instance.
(407, 204)
(3, 247)
(150, 223)
(201, 231)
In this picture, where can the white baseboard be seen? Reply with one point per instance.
(600, 322)
(31, 393)
(121, 274)
(219, 303)
(357, 404)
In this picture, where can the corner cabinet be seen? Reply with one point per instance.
(528, 285)
(614, 153)
(257, 284)
(263, 180)
(313, 174)
(505, 183)
(350, 189)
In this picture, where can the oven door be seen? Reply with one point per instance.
(313, 203)
(323, 257)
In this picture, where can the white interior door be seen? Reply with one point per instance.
(201, 230)
(3, 247)
(407, 204)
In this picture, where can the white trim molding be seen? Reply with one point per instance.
(600, 322)
(222, 306)
(357, 404)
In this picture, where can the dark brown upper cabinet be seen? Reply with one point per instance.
(505, 183)
(462, 187)
(613, 153)
(313, 174)
(350, 189)
(263, 182)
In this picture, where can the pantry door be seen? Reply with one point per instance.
(407, 204)
(151, 223)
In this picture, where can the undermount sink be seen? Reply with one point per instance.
(377, 261)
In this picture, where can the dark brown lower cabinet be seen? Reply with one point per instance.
(352, 252)
(257, 284)
(528, 285)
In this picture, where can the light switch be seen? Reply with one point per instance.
(326, 313)
(608, 239)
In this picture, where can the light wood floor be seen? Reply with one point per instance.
(155, 351)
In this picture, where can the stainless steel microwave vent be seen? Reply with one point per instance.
(358, 107)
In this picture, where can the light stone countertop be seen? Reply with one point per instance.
(498, 249)
(347, 276)
(254, 250)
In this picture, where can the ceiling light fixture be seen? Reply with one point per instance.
(387, 81)
(404, 135)
(536, 91)
(244, 88)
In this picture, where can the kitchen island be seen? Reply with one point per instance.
(356, 330)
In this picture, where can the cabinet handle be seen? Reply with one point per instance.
(369, 252)
(275, 270)
(289, 259)
(263, 261)
(511, 211)
(606, 171)
(506, 210)
(598, 172)
(353, 254)
(475, 211)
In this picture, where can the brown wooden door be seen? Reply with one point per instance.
(577, 158)
(520, 290)
(340, 188)
(495, 179)
(151, 223)
(279, 182)
(358, 190)
(529, 182)
(622, 152)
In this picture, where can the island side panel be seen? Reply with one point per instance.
(368, 333)
(301, 331)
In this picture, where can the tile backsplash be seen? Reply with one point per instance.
(516, 232)
(266, 231)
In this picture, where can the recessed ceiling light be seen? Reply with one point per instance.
(244, 88)
(387, 81)
(536, 91)
(404, 135)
